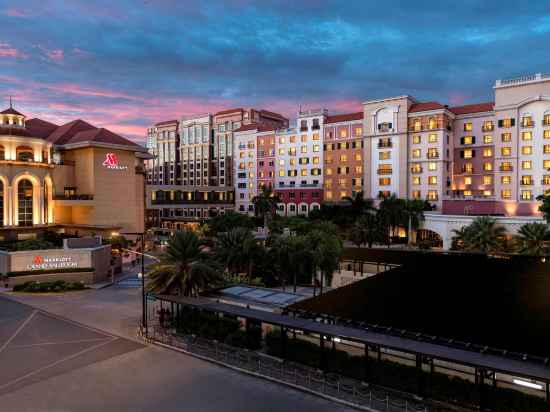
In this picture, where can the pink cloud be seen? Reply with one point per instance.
(55, 55)
(6, 50)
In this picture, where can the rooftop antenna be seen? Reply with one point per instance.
(10, 104)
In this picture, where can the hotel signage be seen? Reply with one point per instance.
(111, 162)
(52, 262)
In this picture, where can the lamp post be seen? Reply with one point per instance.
(143, 296)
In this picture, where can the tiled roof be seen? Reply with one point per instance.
(166, 122)
(344, 117)
(64, 133)
(260, 127)
(40, 128)
(11, 110)
(239, 109)
(423, 107)
(272, 114)
(100, 136)
(473, 108)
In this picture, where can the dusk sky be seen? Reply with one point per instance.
(124, 65)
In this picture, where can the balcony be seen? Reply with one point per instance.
(385, 171)
(503, 168)
(303, 129)
(526, 183)
(433, 155)
(526, 124)
(315, 127)
(488, 128)
(545, 181)
(467, 170)
(416, 170)
(74, 200)
(189, 202)
(383, 145)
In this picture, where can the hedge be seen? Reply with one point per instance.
(48, 271)
(437, 386)
(56, 286)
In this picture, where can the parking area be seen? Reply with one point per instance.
(35, 345)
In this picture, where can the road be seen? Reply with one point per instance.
(143, 378)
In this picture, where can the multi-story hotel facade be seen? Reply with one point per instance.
(488, 158)
(74, 178)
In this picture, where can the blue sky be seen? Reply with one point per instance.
(127, 64)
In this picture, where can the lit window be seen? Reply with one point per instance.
(316, 148)
(506, 137)
(281, 162)
(281, 140)
(433, 153)
(343, 133)
(417, 139)
(281, 173)
(506, 151)
(416, 180)
(527, 150)
(546, 179)
(487, 139)
(487, 180)
(487, 126)
(328, 171)
(526, 164)
(507, 122)
(432, 138)
(417, 125)
(527, 121)
(546, 164)
(343, 158)
(546, 120)
(526, 180)
(358, 131)
(506, 194)
(416, 194)
(487, 192)
(467, 154)
(358, 157)
(281, 152)
(432, 195)
(468, 168)
(468, 127)
(506, 166)
(468, 180)
(315, 136)
(303, 149)
(416, 153)
(292, 162)
(526, 195)
(384, 155)
(328, 195)
(315, 160)
(384, 181)
(432, 166)
(547, 134)
(546, 148)
(432, 180)
(358, 169)
(292, 139)
(527, 135)
(303, 172)
(468, 140)
(506, 180)
(487, 152)
(416, 168)
(467, 193)
(487, 166)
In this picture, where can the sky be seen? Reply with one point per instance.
(126, 65)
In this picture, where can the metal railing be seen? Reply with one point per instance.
(346, 389)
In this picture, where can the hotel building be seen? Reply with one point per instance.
(74, 178)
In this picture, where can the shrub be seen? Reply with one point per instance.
(54, 286)
(33, 244)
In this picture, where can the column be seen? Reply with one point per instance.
(13, 205)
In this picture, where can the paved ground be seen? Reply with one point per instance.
(51, 364)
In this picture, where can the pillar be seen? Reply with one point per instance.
(322, 355)
(366, 363)
(283, 342)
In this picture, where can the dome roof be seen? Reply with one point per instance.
(11, 110)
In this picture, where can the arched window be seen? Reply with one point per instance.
(2, 153)
(24, 202)
(25, 154)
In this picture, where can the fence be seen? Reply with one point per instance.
(360, 394)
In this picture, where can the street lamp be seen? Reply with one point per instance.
(143, 297)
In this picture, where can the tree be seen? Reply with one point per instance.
(482, 235)
(392, 214)
(358, 205)
(413, 210)
(545, 206)
(366, 230)
(326, 249)
(265, 204)
(236, 250)
(184, 268)
(293, 258)
(228, 221)
(532, 239)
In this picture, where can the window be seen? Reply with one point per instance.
(432, 195)
(487, 152)
(487, 180)
(432, 166)
(281, 173)
(506, 151)
(433, 153)
(527, 150)
(468, 127)
(546, 119)
(432, 180)
(487, 126)
(303, 149)
(546, 164)
(417, 139)
(432, 138)
(282, 140)
(316, 148)
(358, 131)
(527, 135)
(314, 137)
(506, 194)
(467, 154)
(506, 180)
(506, 167)
(487, 139)
(303, 172)
(526, 180)
(384, 169)
(358, 169)
(303, 138)
(417, 125)
(527, 121)
(416, 153)
(546, 148)
(547, 134)
(487, 192)
(488, 166)
(467, 180)
(384, 181)
(506, 137)
(343, 133)
(292, 151)
(292, 139)
(315, 160)
(416, 194)
(384, 155)
(526, 165)
(545, 180)
(506, 122)
(526, 195)
(416, 180)
(468, 168)
(468, 140)
(416, 168)
(343, 158)
(24, 202)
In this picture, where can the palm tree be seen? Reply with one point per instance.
(236, 250)
(366, 230)
(532, 239)
(325, 253)
(184, 268)
(392, 214)
(358, 204)
(265, 204)
(460, 238)
(484, 235)
(414, 213)
(292, 257)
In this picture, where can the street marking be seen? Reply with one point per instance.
(82, 352)
(62, 343)
(19, 329)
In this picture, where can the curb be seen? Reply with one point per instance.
(269, 378)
